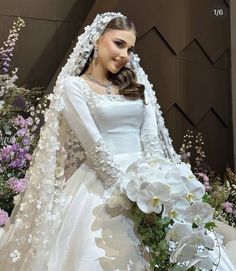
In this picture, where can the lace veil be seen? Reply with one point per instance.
(37, 214)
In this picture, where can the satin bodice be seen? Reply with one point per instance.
(119, 121)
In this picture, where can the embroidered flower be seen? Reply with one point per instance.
(15, 255)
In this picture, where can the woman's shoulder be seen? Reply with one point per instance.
(72, 82)
(72, 79)
(73, 86)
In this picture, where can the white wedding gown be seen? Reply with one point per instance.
(114, 132)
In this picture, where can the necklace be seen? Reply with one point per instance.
(108, 86)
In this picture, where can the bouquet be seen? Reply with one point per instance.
(169, 214)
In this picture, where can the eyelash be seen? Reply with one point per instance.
(120, 45)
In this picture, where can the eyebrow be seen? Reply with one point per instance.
(131, 47)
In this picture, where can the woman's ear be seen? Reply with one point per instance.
(99, 40)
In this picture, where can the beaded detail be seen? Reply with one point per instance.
(151, 146)
(107, 170)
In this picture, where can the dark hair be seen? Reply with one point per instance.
(126, 77)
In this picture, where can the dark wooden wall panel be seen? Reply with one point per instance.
(51, 26)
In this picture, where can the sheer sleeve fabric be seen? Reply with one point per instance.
(149, 132)
(80, 120)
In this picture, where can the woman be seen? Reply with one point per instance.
(103, 106)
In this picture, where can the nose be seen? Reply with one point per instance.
(125, 56)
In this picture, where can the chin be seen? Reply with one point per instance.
(114, 70)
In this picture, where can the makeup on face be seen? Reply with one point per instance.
(116, 47)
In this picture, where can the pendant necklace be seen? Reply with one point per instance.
(108, 87)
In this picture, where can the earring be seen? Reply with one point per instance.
(128, 65)
(95, 54)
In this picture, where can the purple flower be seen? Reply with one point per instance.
(29, 121)
(28, 156)
(19, 102)
(26, 141)
(3, 217)
(228, 207)
(20, 121)
(21, 132)
(18, 185)
(17, 163)
(7, 153)
(15, 147)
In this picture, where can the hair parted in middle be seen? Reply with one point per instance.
(126, 77)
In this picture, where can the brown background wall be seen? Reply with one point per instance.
(51, 25)
(183, 46)
(233, 69)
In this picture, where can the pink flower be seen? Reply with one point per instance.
(203, 176)
(205, 179)
(228, 207)
(28, 156)
(3, 217)
(18, 185)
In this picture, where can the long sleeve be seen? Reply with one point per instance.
(80, 120)
(149, 137)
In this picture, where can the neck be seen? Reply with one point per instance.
(98, 72)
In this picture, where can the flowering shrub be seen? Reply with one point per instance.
(220, 190)
(6, 51)
(21, 115)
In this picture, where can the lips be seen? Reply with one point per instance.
(119, 63)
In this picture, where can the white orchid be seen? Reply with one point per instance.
(185, 171)
(199, 213)
(175, 207)
(201, 260)
(188, 250)
(196, 189)
(152, 196)
(178, 231)
(132, 190)
(176, 183)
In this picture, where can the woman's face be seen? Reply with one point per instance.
(114, 48)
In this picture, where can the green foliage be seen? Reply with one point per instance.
(152, 229)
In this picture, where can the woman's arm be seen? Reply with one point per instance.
(79, 118)
(149, 133)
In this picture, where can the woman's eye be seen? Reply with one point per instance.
(119, 44)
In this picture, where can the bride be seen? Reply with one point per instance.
(103, 117)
